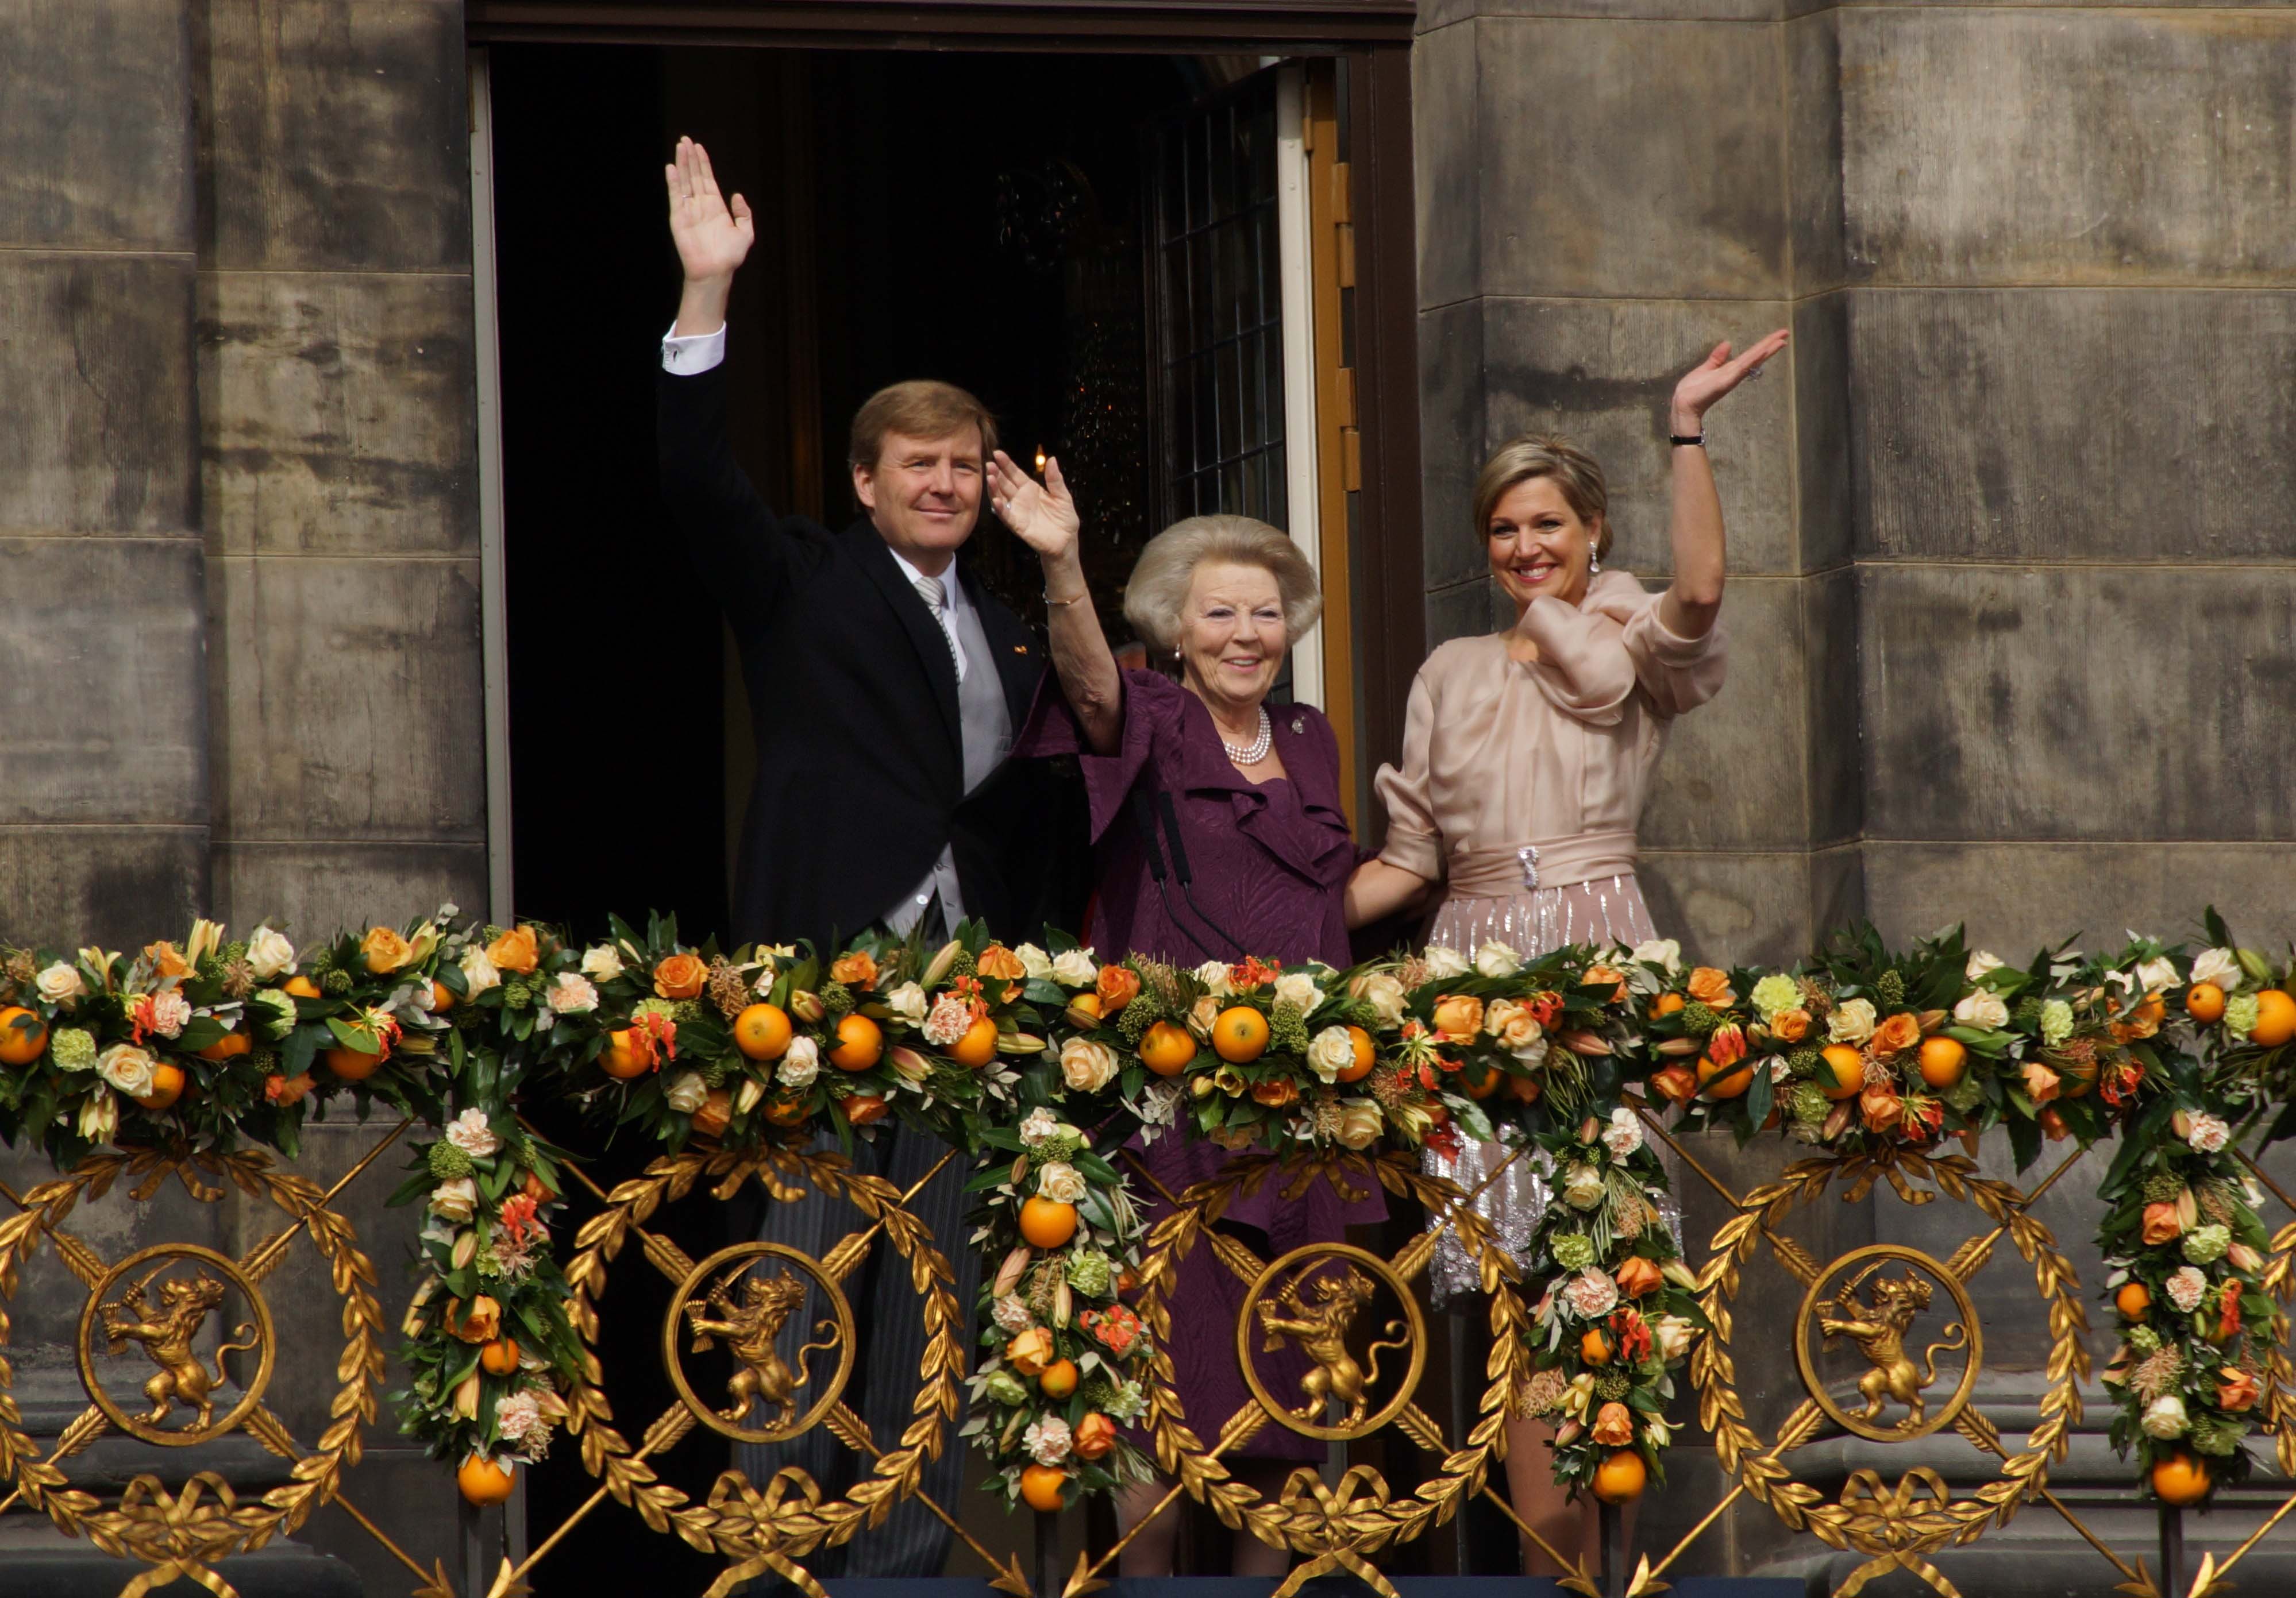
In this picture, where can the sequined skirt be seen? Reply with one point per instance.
(1608, 910)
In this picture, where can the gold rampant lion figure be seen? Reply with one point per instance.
(167, 1338)
(1320, 1330)
(750, 1330)
(1879, 1331)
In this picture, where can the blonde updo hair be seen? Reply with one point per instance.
(1167, 569)
(1577, 477)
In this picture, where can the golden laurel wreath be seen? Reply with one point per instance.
(769, 1528)
(1894, 1525)
(1338, 1524)
(181, 1534)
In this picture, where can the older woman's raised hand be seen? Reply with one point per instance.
(1708, 382)
(1042, 515)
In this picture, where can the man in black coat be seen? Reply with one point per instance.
(885, 687)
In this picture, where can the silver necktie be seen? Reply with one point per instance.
(935, 597)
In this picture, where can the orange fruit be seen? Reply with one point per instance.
(442, 997)
(2275, 1019)
(762, 1032)
(1059, 1380)
(2204, 1001)
(1526, 1088)
(1621, 1478)
(1041, 1486)
(1167, 1050)
(1240, 1035)
(22, 1035)
(620, 1060)
(353, 1065)
(1047, 1222)
(1943, 1060)
(1848, 1068)
(231, 1045)
(1667, 1004)
(301, 987)
(499, 1357)
(786, 1112)
(859, 1043)
(1366, 1056)
(2180, 1480)
(1480, 1078)
(1594, 1347)
(978, 1046)
(866, 1109)
(166, 1087)
(2132, 1300)
(2078, 1076)
(484, 1482)
(1727, 1081)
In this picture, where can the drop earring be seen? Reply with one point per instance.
(1594, 560)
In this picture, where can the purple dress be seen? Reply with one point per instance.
(1271, 862)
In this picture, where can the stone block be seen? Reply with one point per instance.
(412, 1497)
(1452, 442)
(338, 412)
(1826, 522)
(317, 887)
(1707, 212)
(1434, 14)
(1601, 373)
(1462, 611)
(2067, 145)
(2077, 703)
(1733, 775)
(120, 886)
(103, 654)
(1733, 907)
(345, 700)
(1813, 172)
(2016, 897)
(1837, 889)
(100, 434)
(95, 114)
(1831, 721)
(332, 135)
(1979, 431)
(1446, 140)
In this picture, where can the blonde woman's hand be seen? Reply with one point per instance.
(1042, 515)
(1715, 376)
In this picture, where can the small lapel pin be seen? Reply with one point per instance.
(1298, 724)
(1020, 649)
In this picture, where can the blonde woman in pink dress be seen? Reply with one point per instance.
(1526, 755)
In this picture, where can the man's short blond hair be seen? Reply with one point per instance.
(920, 408)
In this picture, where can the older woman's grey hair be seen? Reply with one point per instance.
(1158, 594)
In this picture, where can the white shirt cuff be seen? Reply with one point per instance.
(693, 356)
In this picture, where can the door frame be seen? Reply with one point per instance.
(1371, 39)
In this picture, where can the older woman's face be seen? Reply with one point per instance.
(1232, 640)
(1538, 545)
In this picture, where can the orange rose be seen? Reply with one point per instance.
(1276, 1092)
(1030, 1352)
(997, 960)
(857, 969)
(680, 977)
(1596, 975)
(2052, 1125)
(1458, 1016)
(1881, 1107)
(1118, 986)
(385, 950)
(1899, 1032)
(1614, 1426)
(1678, 1084)
(2237, 1390)
(515, 951)
(1789, 1026)
(482, 1322)
(2040, 1082)
(166, 960)
(2162, 1225)
(1712, 988)
(1637, 1276)
(1095, 1436)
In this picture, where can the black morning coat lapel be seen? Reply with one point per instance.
(876, 559)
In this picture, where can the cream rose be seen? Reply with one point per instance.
(600, 963)
(1332, 1051)
(1297, 987)
(1038, 1128)
(686, 1093)
(2220, 966)
(60, 984)
(1213, 975)
(1036, 964)
(1445, 963)
(1982, 1008)
(127, 1069)
(1665, 952)
(2156, 976)
(800, 1064)
(457, 1201)
(1061, 1182)
(1359, 1123)
(909, 1003)
(1496, 959)
(1671, 1336)
(1384, 993)
(1087, 1066)
(1851, 1022)
(1980, 962)
(1513, 1024)
(2165, 1417)
(1075, 967)
(269, 954)
(478, 972)
(1582, 1187)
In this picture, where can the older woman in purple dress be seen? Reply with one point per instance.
(1254, 797)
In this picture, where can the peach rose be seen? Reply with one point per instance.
(1676, 1083)
(2161, 1223)
(1030, 1352)
(1458, 1016)
(997, 960)
(1118, 987)
(480, 1323)
(1276, 1092)
(2237, 1390)
(1637, 1276)
(857, 969)
(2040, 1082)
(167, 961)
(1095, 1435)
(1712, 988)
(680, 977)
(1597, 975)
(385, 951)
(515, 950)
(1899, 1032)
(1881, 1107)
(1614, 1426)
(1789, 1026)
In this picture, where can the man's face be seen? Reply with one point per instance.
(923, 494)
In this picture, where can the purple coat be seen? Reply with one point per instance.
(1271, 862)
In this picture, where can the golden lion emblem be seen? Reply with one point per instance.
(750, 1329)
(1320, 1330)
(166, 1335)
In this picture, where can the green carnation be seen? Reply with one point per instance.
(2145, 1341)
(73, 1049)
(1611, 1386)
(1573, 1251)
(1699, 1021)
(337, 982)
(2240, 1014)
(2162, 1187)
(1891, 990)
(449, 1162)
(2056, 1022)
(2217, 1436)
(1089, 1272)
(2205, 1245)
(1804, 1063)
(1775, 993)
(1966, 1094)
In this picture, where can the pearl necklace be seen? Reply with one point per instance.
(1254, 752)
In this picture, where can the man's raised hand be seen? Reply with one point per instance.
(1042, 515)
(712, 238)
